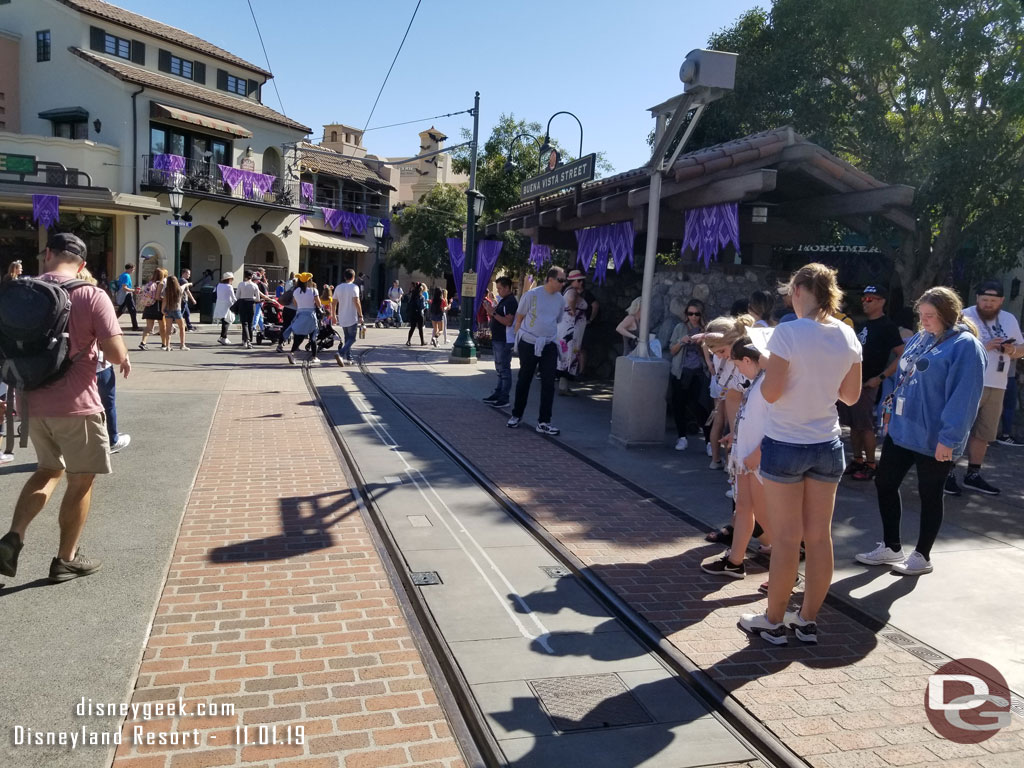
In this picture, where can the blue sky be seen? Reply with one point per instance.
(605, 61)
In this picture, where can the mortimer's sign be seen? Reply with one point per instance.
(568, 175)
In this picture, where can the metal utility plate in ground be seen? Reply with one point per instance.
(588, 701)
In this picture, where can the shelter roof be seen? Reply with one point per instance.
(328, 161)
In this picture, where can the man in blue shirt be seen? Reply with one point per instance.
(126, 295)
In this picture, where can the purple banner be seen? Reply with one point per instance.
(487, 252)
(231, 176)
(169, 164)
(539, 255)
(356, 221)
(306, 191)
(710, 229)
(45, 210)
(616, 239)
(332, 218)
(251, 181)
(387, 226)
(458, 260)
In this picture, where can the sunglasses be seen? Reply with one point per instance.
(868, 299)
(561, 279)
(693, 314)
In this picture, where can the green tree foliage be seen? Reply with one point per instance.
(928, 93)
(424, 227)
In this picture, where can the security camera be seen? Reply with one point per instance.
(708, 69)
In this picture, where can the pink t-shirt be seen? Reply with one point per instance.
(75, 393)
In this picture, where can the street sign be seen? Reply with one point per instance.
(469, 285)
(568, 175)
(179, 223)
(21, 164)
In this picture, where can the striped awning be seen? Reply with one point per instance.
(334, 242)
(194, 118)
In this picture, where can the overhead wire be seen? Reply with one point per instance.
(266, 57)
(388, 75)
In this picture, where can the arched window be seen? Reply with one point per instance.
(271, 162)
(334, 137)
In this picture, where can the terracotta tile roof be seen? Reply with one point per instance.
(134, 21)
(330, 162)
(132, 74)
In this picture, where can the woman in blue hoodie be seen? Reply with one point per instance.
(941, 375)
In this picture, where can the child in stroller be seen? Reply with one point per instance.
(325, 336)
(387, 315)
(271, 326)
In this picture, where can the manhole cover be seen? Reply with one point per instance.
(896, 637)
(925, 653)
(556, 571)
(425, 578)
(591, 701)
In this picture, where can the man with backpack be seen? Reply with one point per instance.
(57, 376)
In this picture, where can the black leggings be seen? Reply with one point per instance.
(416, 321)
(896, 461)
(224, 329)
(686, 403)
(246, 312)
(297, 340)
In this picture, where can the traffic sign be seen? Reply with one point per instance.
(567, 175)
(179, 223)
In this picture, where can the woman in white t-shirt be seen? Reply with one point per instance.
(726, 381)
(815, 360)
(305, 300)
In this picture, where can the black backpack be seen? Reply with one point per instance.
(34, 340)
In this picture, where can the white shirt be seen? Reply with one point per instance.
(819, 355)
(751, 422)
(249, 290)
(395, 293)
(541, 312)
(1003, 326)
(304, 299)
(346, 294)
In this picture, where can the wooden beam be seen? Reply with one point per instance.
(736, 189)
(850, 203)
(548, 218)
(589, 208)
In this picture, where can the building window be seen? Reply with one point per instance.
(181, 67)
(70, 130)
(236, 85)
(117, 46)
(43, 45)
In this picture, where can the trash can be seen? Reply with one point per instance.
(207, 298)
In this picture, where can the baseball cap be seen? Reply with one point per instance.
(68, 243)
(991, 288)
(874, 290)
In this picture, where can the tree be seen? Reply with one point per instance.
(928, 93)
(424, 227)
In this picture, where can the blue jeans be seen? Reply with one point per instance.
(350, 339)
(503, 365)
(106, 381)
(792, 462)
(1009, 403)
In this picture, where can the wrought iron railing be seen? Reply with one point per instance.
(205, 176)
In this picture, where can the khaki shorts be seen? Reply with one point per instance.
(990, 411)
(76, 444)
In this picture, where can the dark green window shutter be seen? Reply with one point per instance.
(199, 72)
(138, 53)
(253, 89)
(163, 60)
(222, 79)
(96, 39)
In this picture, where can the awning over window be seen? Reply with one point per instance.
(329, 240)
(194, 118)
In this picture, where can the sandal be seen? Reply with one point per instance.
(722, 536)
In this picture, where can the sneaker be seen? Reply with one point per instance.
(547, 429)
(142, 346)
(976, 482)
(314, 361)
(6, 458)
(165, 348)
(223, 340)
(10, 546)
(491, 399)
(122, 442)
(722, 567)
(707, 448)
(681, 444)
(349, 361)
(805, 631)
(339, 360)
(291, 359)
(65, 570)
(184, 349)
(853, 467)
(952, 488)
(758, 624)
(881, 555)
(915, 565)
(498, 403)
(279, 348)
(247, 345)
(866, 472)
(730, 494)
(513, 422)
(716, 464)
(1010, 440)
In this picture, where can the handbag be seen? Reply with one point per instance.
(236, 307)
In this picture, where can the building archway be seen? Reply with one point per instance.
(206, 252)
(272, 162)
(267, 252)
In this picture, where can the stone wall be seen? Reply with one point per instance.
(718, 287)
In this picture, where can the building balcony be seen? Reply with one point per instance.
(206, 178)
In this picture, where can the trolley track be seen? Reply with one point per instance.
(478, 743)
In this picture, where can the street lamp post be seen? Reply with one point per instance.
(176, 198)
(375, 278)
(464, 350)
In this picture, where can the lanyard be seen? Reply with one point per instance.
(911, 368)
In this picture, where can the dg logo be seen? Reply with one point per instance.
(967, 701)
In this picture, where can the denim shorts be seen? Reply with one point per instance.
(792, 462)
(173, 314)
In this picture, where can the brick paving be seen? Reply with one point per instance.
(856, 700)
(277, 603)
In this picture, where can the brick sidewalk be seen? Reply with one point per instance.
(277, 603)
(854, 701)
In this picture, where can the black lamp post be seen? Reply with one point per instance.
(509, 165)
(546, 146)
(464, 350)
(176, 198)
(378, 235)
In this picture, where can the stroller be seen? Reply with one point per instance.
(272, 326)
(325, 336)
(387, 315)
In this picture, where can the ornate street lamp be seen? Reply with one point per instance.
(176, 197)
(509, 165)
(464, 348)
(377, 272)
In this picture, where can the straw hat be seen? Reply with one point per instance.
(576, 275)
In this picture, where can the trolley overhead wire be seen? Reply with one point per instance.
(265, 56)
(388, 75)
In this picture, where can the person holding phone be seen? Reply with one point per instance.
(1000, 334)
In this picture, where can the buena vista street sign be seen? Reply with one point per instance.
(567, 175)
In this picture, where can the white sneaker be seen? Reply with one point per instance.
(6, 458)
(547, 429)
(758, 624)
(681, 444)
(513, 422)
(881, 555)
(122, 442)
(291, 359)
(716, 464)
(730, 494)
(805, 631)
(707, 448)
(339, 360)
(314, 361)
(915, 565)
(224, 340)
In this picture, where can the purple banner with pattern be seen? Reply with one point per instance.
(168, 165)
(353, 221)
(539, 255)
(458, 260)
(710, 229)
(45, 210)
(232, 176)
(306, 191)
(387, 226)
(332, 218)
(487, 252)
(615, 239)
